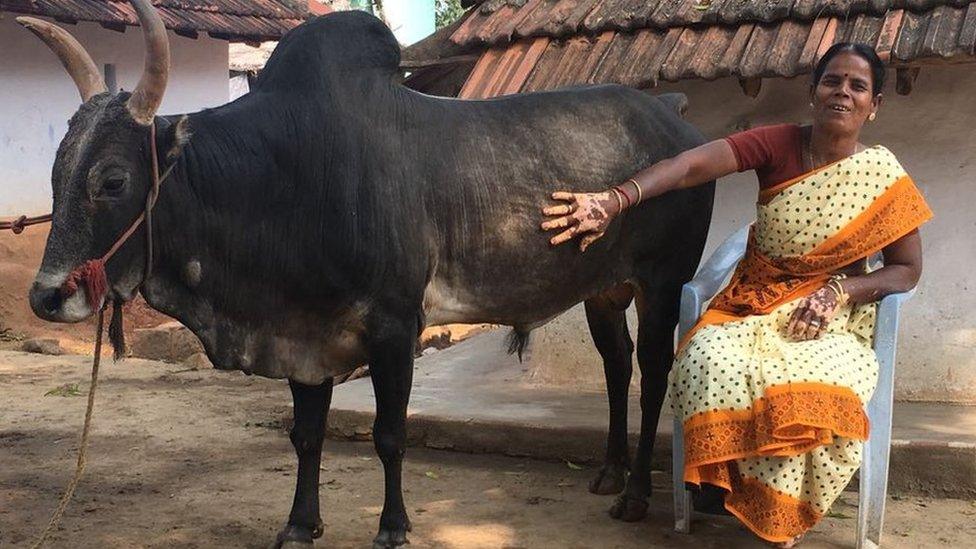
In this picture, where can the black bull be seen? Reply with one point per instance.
(322, 220)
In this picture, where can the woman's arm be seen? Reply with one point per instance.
(589, 214)
(691, 168)
(902, 268)
(901, 271)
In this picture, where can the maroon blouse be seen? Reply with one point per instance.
(775, 152)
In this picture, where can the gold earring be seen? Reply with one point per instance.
(872, 116)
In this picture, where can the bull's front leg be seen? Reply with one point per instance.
(311, 411)
(391, 369)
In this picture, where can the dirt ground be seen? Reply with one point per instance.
(200, 459)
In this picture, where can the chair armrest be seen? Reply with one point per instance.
(886, 322)
(891, 304)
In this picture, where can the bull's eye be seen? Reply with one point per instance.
(113, 185)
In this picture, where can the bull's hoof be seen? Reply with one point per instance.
(390, 538)
(297, 537)
(629, 508)
(610, 480)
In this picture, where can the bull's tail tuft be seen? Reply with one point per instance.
(518, 340)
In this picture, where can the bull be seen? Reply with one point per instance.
(323, 219)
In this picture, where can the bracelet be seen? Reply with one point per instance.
(620, 190)
(837, 294)
(620, 203)
(639, 194)
(834, 284)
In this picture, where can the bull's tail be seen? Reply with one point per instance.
(518, 340)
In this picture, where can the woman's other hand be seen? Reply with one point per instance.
(811, 317)
(583, 214)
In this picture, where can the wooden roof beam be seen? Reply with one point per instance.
(905, 79)
(187, 33)
(751, 86)
(115, 26)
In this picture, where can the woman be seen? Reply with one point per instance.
(772, 382)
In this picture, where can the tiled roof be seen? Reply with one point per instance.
(238, 20)
(543, 44)
(499, 21)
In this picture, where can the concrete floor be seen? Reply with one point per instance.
(472, 397)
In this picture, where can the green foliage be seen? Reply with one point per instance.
(66, 390)
(447, 12)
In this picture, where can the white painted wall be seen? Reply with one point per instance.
(932, 133)
(37, 97)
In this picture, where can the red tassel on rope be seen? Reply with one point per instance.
(92, 274)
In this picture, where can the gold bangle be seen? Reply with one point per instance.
(639, 194)
(830, 287)
(620, 202)
(842, 296)
(836, 279)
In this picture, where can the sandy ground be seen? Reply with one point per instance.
(200, 459)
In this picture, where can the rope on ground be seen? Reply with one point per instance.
(69, 491)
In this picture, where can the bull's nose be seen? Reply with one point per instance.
(45, 301)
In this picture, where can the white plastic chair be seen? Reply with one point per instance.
(874, 467)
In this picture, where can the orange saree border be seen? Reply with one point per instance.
(767, 512)
(897, 212)
(788, 420)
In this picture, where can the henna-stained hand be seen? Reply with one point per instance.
(586, 214)
(811, 317)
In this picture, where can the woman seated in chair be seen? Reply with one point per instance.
(771, 384)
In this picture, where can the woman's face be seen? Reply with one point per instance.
(843, 98)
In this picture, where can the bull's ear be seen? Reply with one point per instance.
(677, 101)
(174, 137)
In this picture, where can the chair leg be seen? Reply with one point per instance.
(682, 497)
(873, 487)
(874, 467)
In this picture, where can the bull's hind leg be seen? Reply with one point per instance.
(391, 370)
(311, 410)
(657, 311)
(607, 320)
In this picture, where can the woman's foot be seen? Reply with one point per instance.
(709, 499)
(789, 544)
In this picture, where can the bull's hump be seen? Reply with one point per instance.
(327, 50)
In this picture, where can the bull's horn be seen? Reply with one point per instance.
(72, 54)
(149, 92)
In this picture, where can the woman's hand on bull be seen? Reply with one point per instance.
(812, 316)
(583, 214)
